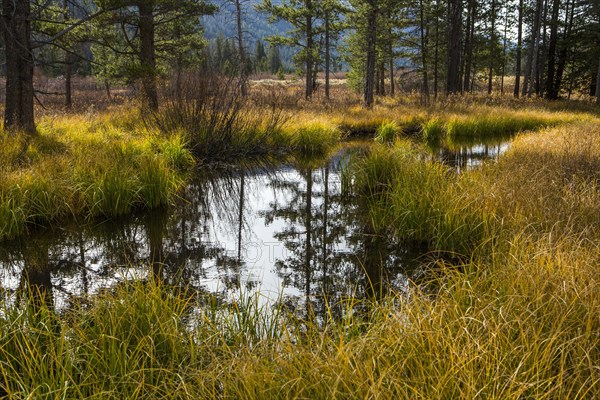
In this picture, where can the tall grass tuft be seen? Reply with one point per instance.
(387, 133)
(524, 324)
(434, 131)
(12, 147)
(499, 124)
(373, 178)
(313, 139)
(12, 215)
(174, 149)
(419, 199)
(130, 343)
(134, 341)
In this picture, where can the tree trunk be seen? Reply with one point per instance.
(532, 51)
(492, 48)
(68, 63)
(598, 84)
(455, 24)
(382, 78)
(469, 44)
(572, 80)
(315, 72)
(540, 66)
(423, 52)
(377, 81)
(107, 89)
(16, 29)
(68, 74)
(309, 50)
(241, 51)
(518, 55)
(551, 92)
(147, 53)
(504, 40)
(371, 37)
(392, 83)
(327, 54)
(436, 49)
(563, 53)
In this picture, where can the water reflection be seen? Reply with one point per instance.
(290, 230)
(466, 157)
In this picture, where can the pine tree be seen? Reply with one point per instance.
(140, 27)
(260, 57)
(275, 64)
(301, 15)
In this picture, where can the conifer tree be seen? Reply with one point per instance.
(275, 64)
(141, 28)
(301, 15)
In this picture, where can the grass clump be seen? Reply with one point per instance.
(550, 180)
(418, 199)
(127, 344)
(532, 287)
(313, 139)
(387, 133)
(143, 339)
(12, 215)
(134, 341)
(174, 149)
(12, 147)
(476, 124)
(500, 123)
(372, 179)
(434, 131)
(137, 178)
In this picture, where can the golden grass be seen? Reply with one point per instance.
(550, 179)
(521, 325)
(86, 166)
(450, 123)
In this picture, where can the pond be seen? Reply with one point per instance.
(291, 232)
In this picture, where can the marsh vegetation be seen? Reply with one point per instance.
(447, 251)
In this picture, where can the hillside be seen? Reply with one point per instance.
(256, 26)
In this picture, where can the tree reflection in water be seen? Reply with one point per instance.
(333, 254)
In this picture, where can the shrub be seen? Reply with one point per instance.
(217, 121)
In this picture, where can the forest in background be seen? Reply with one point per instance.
(542, 48)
